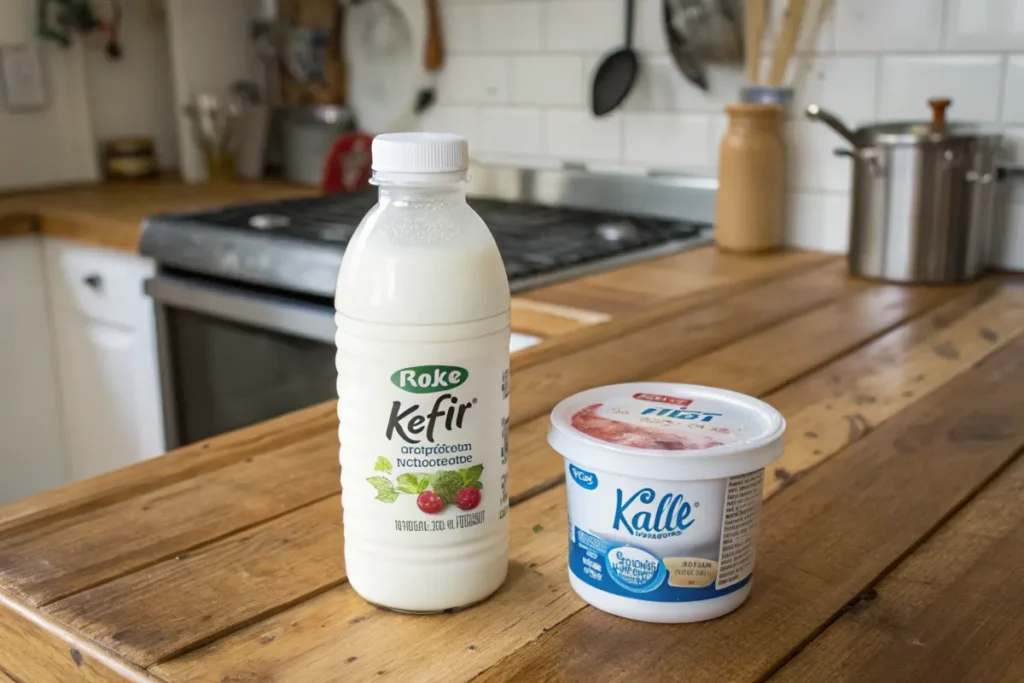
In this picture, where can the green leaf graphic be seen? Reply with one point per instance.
(382, 465)
(385, 489)
(471, 475)
(409, 483)
(387, 496)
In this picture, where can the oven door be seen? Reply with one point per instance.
(231, 357)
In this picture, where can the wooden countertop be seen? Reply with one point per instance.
(891, 543)
(111, 214)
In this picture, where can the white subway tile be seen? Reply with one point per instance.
(661, 87)
(972, 82)
(985, 25)
(888, 25)
(474, 79)
(818, 221)
(667, 140)
(461, 27)
(836, 230)
(584, 25)
(511, 131)
(811, 164)
(580, 136)
(512, 27)
(1008, 241)
(847, 86)
(459, 120)
(805, 219)
(547, 79)
(1013, 90)
(649, 30)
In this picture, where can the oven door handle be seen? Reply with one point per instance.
(263, 311)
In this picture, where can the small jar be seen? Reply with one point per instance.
(129, 159)
(751, 180)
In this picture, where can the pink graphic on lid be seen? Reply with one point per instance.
(590, 423)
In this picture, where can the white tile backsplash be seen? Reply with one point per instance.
(548, 80)
(985, 25)
(519, 77)
(847, 86)
(511, 27)
(888, 25)
(667, 140)
(461, 27)
(474, 79)
(974, 83)
(809, 154)
(583, 25)
(574, 135)
(509, 130)
(1013, 91)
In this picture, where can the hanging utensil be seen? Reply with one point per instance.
(754, 38)
(433, 59)
(687, 63)
(786, 46)
(616, 74)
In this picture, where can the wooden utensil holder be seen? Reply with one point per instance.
(751, 180)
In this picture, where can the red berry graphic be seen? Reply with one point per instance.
(430, 502)
(467, 498)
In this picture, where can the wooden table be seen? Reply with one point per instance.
(891, 544)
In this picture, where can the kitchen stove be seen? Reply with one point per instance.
(297, 244)
(244, 294)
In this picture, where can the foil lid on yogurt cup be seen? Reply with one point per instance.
(664, 430)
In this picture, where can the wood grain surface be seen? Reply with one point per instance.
(834, 533)
(223, 561)
(110, 214)
(936, 617)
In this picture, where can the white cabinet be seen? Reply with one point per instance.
(106, 356)
(31, 445)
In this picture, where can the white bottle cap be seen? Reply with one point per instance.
(420, 153)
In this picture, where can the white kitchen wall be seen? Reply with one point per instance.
(133, 96)
(518, 76)
(52, 145)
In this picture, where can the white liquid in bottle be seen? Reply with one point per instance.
(423, 333)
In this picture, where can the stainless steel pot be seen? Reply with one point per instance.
(924, 197)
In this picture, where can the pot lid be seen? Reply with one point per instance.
(935, 131)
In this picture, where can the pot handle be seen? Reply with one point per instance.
(868, 154)
(1012, 172)
(816, 113)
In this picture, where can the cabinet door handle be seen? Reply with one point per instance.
(93, 281)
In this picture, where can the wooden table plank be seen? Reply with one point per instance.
(880, 393)
(832, 330)
(765, 361)
(830, 535)
(650, 282)
(653, 349)
(118, 614)
(304, 646)
(45, 564)
(281, 433)
(950, 612)
(33, 650)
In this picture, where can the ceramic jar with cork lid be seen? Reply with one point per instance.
(751, 179)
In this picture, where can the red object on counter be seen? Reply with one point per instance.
(347, 167)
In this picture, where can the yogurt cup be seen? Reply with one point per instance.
(664, 484)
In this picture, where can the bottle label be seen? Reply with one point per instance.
(425, 452)
(662, 541)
